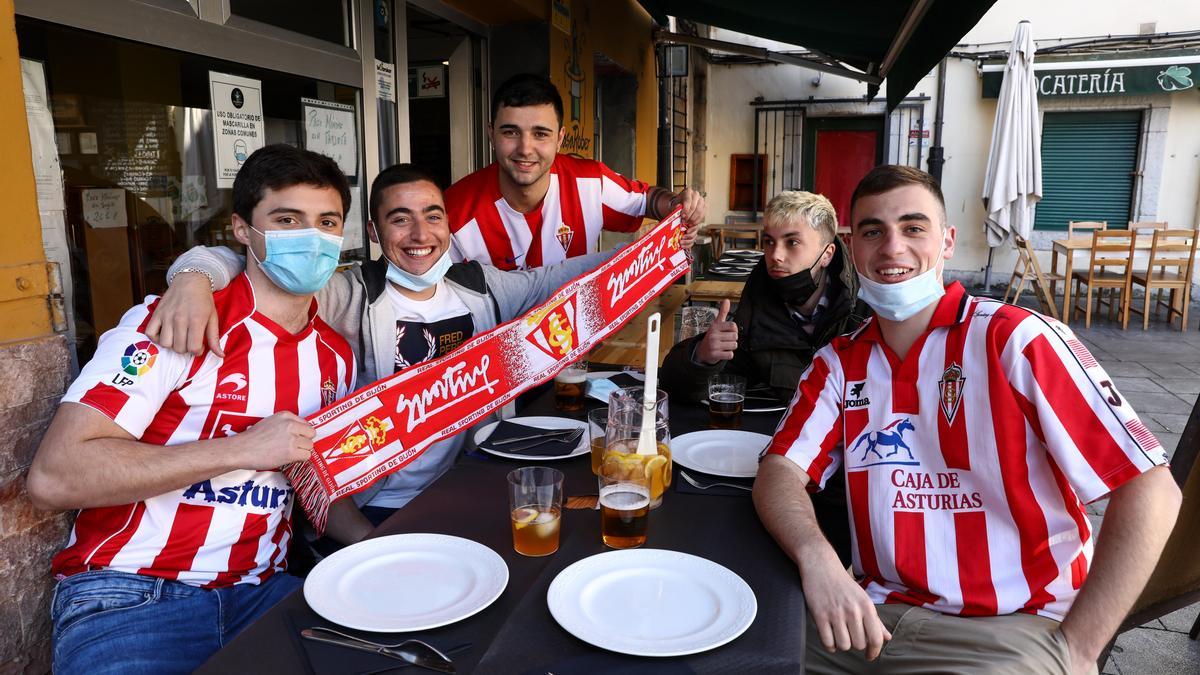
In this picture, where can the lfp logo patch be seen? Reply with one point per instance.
(139, 358)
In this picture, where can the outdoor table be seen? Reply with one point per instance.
(711, 290)
(516, 633)
(1067, 248)
(627, 347)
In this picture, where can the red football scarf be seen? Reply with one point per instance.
(384, 426)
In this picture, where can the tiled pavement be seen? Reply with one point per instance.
(1158, 371)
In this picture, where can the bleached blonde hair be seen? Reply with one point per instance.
(790, 205)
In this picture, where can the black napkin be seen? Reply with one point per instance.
(534, 447)
(624, 379)
(613, 664)
(326, 658)
(684, 487)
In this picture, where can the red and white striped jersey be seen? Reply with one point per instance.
(235, 527)
(968, 463)
(584, 197)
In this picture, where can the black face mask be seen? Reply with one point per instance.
(796, 289)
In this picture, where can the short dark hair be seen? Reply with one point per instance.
(396, 174)
(888, 177)
(280, 166)
(526, 89)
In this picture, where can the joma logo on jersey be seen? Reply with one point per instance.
(855, 397)
(245, 494)
(886, 443)
(555, 332)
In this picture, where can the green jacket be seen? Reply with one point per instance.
(772, 348)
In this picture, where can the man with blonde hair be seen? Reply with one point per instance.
(800, 296)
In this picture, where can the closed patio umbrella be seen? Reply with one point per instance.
(1014, 170)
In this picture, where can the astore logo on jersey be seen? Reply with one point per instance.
(230, 385)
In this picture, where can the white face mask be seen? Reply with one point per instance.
(899, 301)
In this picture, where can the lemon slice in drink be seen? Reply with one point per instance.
(655, 468)
(524, 516)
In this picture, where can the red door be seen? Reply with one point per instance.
(842, 159)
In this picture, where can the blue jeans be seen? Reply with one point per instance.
(114, 622)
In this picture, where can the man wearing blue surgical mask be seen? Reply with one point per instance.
(971, 433)
(409, 305)
(174, 460)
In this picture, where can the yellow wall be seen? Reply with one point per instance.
(621, 31)
(21, 237)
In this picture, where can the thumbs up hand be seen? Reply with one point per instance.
(721, 339)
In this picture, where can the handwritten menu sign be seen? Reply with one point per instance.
(104, 207)
(329, 129)
(237, 120)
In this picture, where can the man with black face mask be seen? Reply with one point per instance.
(800, 296)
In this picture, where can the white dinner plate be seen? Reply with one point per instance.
(720, 452)
(485, 432)
(605, 374)
(405, 582)
(651, 602)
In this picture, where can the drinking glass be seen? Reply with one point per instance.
(597, 423)
(624, 509)
(726, 397)
(535, 504)
(570, 385)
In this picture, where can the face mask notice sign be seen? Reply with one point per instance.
(237, 121)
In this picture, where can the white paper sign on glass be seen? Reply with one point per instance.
(104, 207)
(237, 121)
(329, 129)
(385, 81)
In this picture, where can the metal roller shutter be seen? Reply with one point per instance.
(1088, 160)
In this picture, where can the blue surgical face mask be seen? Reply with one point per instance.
(299, 261)
(899, 301)
(418, 282)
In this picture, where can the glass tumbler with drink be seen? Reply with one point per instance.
(570, 385)
(535, 504)
(624, 509)
(726, 397)
(621, 458)
(597, 424)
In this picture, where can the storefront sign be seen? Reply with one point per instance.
(104, 207)
(330, 130)
(237, 122)
(1104, 78)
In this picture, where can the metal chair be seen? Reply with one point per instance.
(1110, 248)
(1173, 250)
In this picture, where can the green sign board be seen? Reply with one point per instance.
(1116, 80)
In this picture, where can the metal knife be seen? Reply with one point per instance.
(419, 661)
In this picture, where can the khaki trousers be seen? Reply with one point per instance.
(925, 641)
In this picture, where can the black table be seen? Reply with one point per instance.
(517, 634)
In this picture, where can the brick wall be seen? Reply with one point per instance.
(33, 376)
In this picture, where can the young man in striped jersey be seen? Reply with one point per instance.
(971, 433)
(174, 460)
(534, 206)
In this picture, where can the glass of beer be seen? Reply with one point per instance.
(624, 509)
(597, 424)
(726, 396)
(569, 387)
(535, 504)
